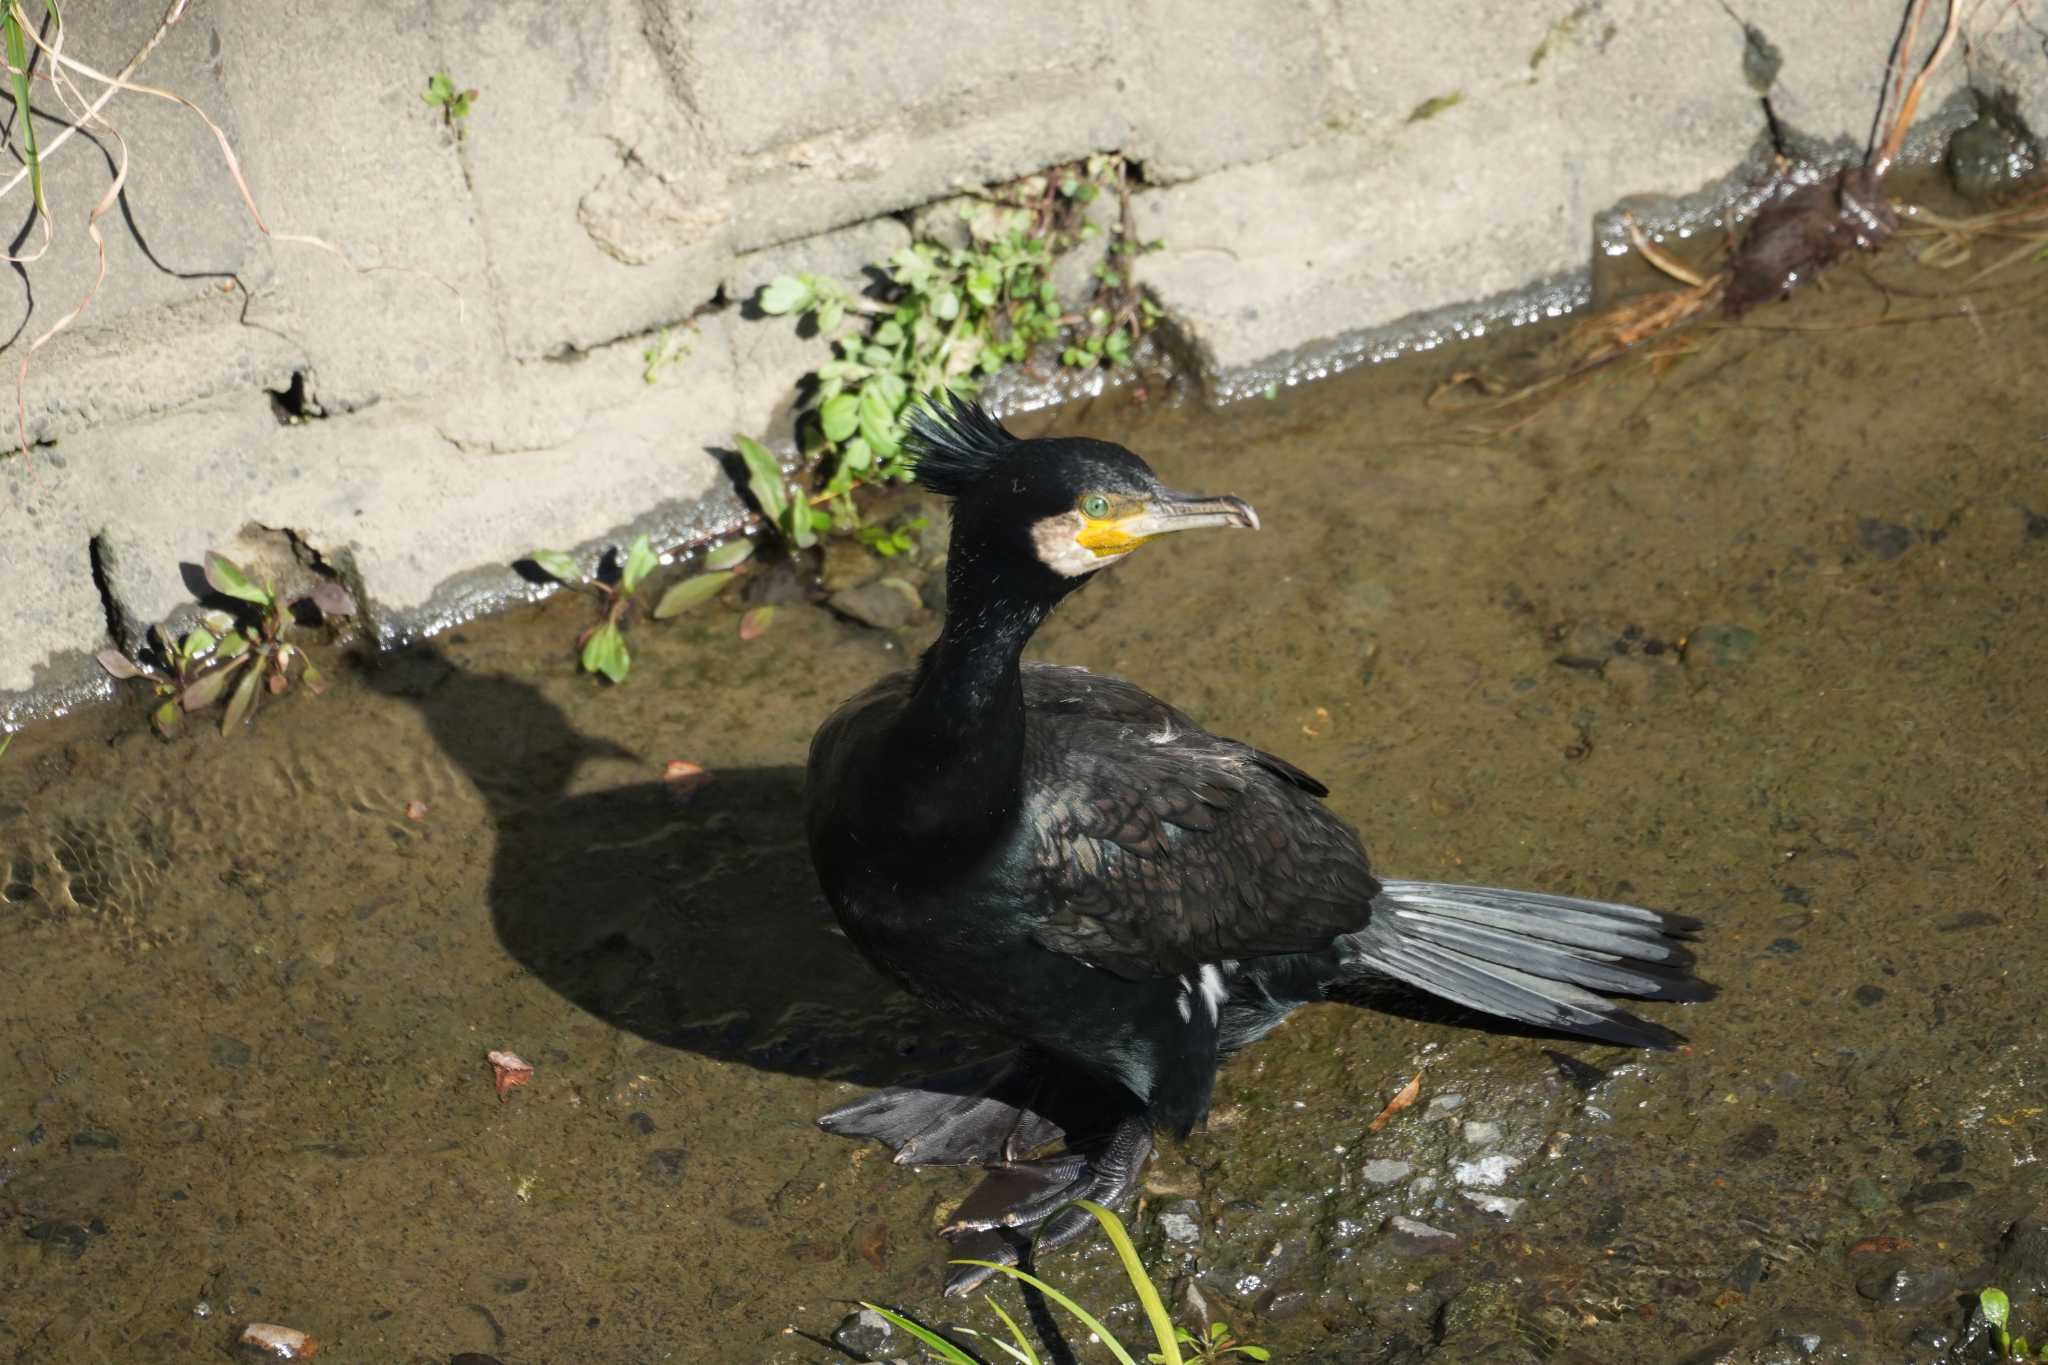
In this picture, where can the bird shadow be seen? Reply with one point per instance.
(684, 912)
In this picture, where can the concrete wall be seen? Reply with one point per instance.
(1317, 167)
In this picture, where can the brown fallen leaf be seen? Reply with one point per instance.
(1870, 1246)
(1395, 1105)
(507, 1070)
(872, 1242)
(756, 621)
(415, 810)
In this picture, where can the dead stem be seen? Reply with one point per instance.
(1902, 120)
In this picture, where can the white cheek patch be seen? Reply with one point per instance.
(1056, 540)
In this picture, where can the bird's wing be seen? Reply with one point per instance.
(1163, 847)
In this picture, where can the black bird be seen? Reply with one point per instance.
(1078, 865)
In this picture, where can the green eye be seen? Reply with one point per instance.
(1095, 505)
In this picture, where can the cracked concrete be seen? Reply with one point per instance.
(1329, 172)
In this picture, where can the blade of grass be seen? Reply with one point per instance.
(1024, 1353)
(948, 1352)
(1086, 1319)
(1148, 1295)
(17, 65)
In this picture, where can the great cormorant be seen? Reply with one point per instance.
(1078, 865)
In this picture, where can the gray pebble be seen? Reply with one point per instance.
(1386, 1172)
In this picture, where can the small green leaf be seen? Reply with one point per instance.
(945, 1349)
(730, 555)
(243, 703)
(755, 622)
(946, 306)
(690, 592)
(166, 718)
(226, 578)
(1254, 1352)
(195, 645)
(205, 689)
(798, 526)
(605, 652)
(556, 565)
(233, 645)
(640, 562)
(831, 313)
(1997, 1308)
(117, 664)
(839, 416)
(786, 294)
(764, 477)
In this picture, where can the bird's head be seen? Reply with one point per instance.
(1046, 514)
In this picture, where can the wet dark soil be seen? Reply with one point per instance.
(1755, 634)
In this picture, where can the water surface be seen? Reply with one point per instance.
(1755, 634)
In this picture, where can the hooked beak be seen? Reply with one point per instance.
(1169, 511)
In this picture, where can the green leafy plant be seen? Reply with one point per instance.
(1213, 1345)
(602, 648)
(953, 315)
(240, 655)
(1997, 1310)
(670, 346)
(785, 506)
(890, 541)
(453, 103)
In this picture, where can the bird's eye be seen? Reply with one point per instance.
(1095, 505)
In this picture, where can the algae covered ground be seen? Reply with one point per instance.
(1754, 633)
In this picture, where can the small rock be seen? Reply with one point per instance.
(885, 604)
(1440, 1105)
(1885, 539)
(642, 1123)
(1495, 1203)
(1480, 1133)
(273, 1342)
(1987, 158)
(1748, 1274)
(1487, 1172)
(1180, 1223)
(1938, 1192)
(2023, 1254)
(229, 1052)
(1865, 1194)
(69, 1233)
(1721, 646)
(95, 1138)
(1753, 1143)
(666, 1164)
(1384, 1171)
(1416, 1238)
(1908, 1286)
(865, 1335)
(1867, 995)
(845, 563)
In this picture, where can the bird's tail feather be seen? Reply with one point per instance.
(1550, 961)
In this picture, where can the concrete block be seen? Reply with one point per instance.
(425, 503)
(1834, 58)
(341, 146)
(53, 619)
(1222, 85)
(1404, 59)
(604, 215)
(869, 115)
(179, 236)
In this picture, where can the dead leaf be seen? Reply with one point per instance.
(1395, 1105)
(1870, 1246)
(872, 1242)
(415, 810)
(507, 1070)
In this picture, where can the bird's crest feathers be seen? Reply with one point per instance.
(956, 443)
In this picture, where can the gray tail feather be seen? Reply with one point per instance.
(1550, 961)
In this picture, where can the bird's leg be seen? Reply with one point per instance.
(1035, 1196)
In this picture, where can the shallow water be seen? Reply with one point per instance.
(1796, 577)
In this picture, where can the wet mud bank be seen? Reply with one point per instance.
(1754, 634)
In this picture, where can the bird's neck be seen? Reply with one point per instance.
(961, 737)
